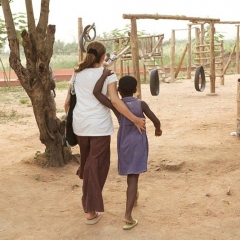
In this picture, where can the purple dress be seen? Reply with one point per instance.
(132, 146)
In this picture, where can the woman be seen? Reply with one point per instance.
(93, 126)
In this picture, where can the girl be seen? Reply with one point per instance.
(132, 146)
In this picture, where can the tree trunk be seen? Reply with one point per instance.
(36, 78)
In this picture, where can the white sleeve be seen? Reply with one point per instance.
(71, 80)
(112, 78)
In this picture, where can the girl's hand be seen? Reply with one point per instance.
(158, 133)
(107, 72)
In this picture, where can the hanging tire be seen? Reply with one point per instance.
(87, 37)
(200, 71)
(81, 43)
(154, 82)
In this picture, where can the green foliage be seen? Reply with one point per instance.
(61, 47)
(217, 36)
(20, 22)
(1, 2)
(3, 34)
(116, 33)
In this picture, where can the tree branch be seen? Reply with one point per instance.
(50, 38)
(11, 32)
(31, 20)
(14, 58)
(43, 20)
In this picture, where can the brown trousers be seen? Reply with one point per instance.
(95, 163)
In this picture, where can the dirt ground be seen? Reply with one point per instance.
(197, 200)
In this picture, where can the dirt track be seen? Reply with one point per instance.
(187, 203)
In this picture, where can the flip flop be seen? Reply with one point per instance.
(93, 220)
(129, 226)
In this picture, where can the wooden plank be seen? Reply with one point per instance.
(119, 54)
(181, 61)
(169, 17)
(229, 59)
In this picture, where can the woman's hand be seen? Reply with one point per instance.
(123, 109)
(140, 123)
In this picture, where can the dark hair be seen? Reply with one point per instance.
(127, 85)
(95, 50)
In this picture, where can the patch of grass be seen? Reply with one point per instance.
(42, 158)
(23, 101)
(11, 116)
(62, 85)
(37, 177)
(60, 110)
(12, 94)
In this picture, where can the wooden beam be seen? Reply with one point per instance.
(125, 38)
(228, 22)
(169, 17)
(80, 30)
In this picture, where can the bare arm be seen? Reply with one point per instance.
(67, 100)
(123, 109)
(97, 92)
(148, 112)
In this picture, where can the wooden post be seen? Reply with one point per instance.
(222, 63)
(121, 68)
(201, 49)
(212, 58)
(189, 62)
(135, 55)
(198, 50)
(121, 59)
(237, 51)
(80, 30)
(172, 55)
(238, 108)
(197, 43)
(145, 73)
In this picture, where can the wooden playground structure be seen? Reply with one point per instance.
(149, 50)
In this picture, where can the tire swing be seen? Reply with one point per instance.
(154, 82)
(85, 36)
(199, 71)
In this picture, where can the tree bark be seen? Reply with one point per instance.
(36, 79)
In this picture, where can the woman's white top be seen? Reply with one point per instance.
(90, 117)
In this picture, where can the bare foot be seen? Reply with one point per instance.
(126, 220)
(91, 215)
